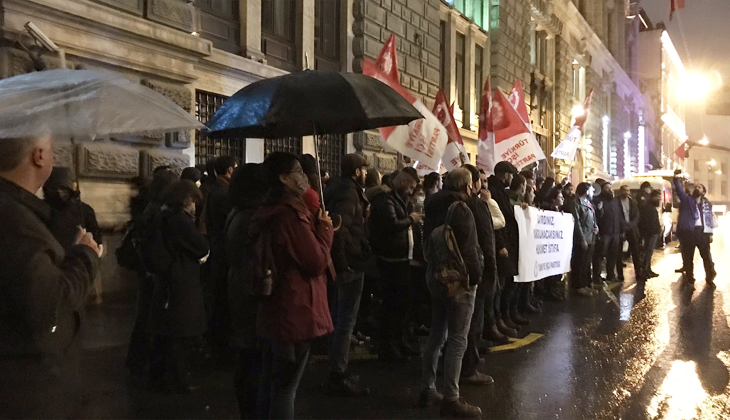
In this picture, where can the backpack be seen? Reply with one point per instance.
(259, 264)
(442, 253)
(126, 253)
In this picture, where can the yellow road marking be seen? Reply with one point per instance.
(517, 343)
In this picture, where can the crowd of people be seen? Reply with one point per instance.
(269, 260)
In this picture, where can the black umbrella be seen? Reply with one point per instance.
(311, 103)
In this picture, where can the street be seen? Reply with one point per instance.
(659, 352)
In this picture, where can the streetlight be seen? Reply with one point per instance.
(577, 111)
(712, 162)
(693, 87)
(704, 141)
(719, 172)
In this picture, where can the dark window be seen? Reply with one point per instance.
(331, 150)
(478, 74)
(220, 23)
(278, 40)
(327, 35)
(444, 58)
(206, 148)
(291, 145)
(460, 71)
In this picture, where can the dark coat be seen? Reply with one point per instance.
(297, 309)
(585, 220)
(217, 207)
(465, 231)
(177, 307)
(509, 236)
(688, 210)
(43, 289)
(242, 304)
(609, 215)
(649, 223)
(633, 223)
(66, 218)
(344, 197)
(485, 235)
(389, 223)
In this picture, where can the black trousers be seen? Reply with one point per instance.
(170, 362)
(395, 277)
(648, 244)
(247, 379)
(634, 241)
(509, 298)
(421, 297)
(608, 248)
(691, 240)
(580, 276)
(470, 361)
(140, 343)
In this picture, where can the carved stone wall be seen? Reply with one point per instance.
(63, 155)
(151, 159)
(107, 160)
(178, 14)
(182, 97)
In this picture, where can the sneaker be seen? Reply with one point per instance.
(429, 397)
(476, 379)
(652, 274)
(346, 385)
(460, 409)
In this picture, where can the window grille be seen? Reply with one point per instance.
(206, 148)
(331, 150)
(291, 145)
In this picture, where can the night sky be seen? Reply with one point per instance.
(700, 29)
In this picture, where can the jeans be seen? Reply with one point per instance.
(397, 302)
(608, 247)
(344, 308)
(580, 266)
(452, 316)
(690, 240)
(283, 366)
(634, 240)
(496, 300)
(648, 244)
(476, 327)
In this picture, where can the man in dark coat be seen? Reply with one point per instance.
(507, 245)
(485, 237)
(217, 207)
(649, 227)
(584, 239)
(43, 288)
(630, 229)
(452, 313)
(608, 213)
(391, 240)
(344, 197)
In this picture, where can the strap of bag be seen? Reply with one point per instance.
(450, 212)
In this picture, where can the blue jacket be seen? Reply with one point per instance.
(687, 210)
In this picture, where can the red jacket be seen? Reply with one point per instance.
(297, 309)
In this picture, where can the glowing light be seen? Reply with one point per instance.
(712, 162)
(627, 155)
(680, 395)
(194, 33)
(642, 146)
(719, 172)
(704, 141)
(577, 111)
(693, 87)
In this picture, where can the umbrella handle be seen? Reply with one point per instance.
(319, 171)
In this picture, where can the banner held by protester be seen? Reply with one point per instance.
(546, 243)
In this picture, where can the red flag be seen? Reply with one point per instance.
(423, 140)
(513, 141)
(680, 152)
(517, 100)
(581, 120)
(455, 153)
(675, 5)
(485, 147)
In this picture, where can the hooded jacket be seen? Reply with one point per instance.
(463, 225)
(297, 309)
(389, 223)
(344, 197)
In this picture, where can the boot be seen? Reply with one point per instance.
(493, 334)
(530, 309)
(508, 322)
(504, 329)
(519, 319)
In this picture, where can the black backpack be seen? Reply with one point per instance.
(442, 253)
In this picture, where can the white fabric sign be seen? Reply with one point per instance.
(546, 243)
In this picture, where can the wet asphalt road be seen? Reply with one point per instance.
(655, 352)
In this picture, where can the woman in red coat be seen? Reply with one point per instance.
(297, 310)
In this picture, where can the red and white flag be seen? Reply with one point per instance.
(513, 141)
(455, 153)
(422, 140)
(567, 148)
(485, 146)
(517, 100)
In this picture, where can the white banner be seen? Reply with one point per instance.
(567, 148)
(546, 243)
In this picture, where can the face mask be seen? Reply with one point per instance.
(302, 185)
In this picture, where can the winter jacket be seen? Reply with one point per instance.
(585, 220)
(177, 307)
(497, 216)
(688, 211)
(243, 306)
(389, 223)
(344, 197)
(633, 223)
(66, 219)
(217, 208)
(43, 291)
(297, 309)
(648, 219)
(609, 215)
(485, 235)
(508, 237)
(463, 226)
